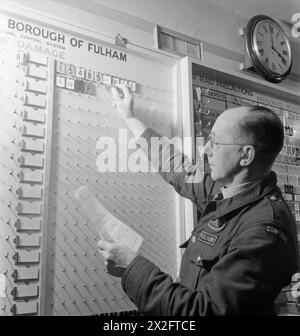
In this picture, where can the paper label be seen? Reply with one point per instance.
(2, 285)
(109, 227)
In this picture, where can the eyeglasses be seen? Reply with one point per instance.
(212, 143)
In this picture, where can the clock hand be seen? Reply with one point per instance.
(271, 37)
(278, 53)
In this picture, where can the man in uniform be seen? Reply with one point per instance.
(244, 248)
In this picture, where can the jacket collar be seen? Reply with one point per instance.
(251, 194)
(231, 191)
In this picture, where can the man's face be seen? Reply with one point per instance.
(223, 151)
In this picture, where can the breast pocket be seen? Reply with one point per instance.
(197, 261)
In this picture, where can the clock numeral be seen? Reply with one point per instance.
(261, 51)
(273, 67)
(282, 43)
(265, 28)
(260, 43)
(283, 61)
(267, 61)
(271, 29)
(277, 35)
(280, 66)
(284, 52)
(261, 34)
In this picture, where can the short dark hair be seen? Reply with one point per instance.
(264, 130)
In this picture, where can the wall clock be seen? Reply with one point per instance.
(268, 48)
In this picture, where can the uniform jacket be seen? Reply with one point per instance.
(241, 253)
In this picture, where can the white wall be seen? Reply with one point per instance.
(206, 20)
(214, 21)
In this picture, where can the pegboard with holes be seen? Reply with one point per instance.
(77, 281)
(53, 113)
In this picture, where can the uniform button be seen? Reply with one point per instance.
(198, 259)
(193, 239)
(273, 198)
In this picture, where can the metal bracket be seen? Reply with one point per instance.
(121, 41)
(246, 64)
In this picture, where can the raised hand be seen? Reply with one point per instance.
(123, 100)
(117, 256)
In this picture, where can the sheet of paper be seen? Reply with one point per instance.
(109, 227)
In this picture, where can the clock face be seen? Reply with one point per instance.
(271, 47)
(268, 48)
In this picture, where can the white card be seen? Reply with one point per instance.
(2, 285)
(109, 227)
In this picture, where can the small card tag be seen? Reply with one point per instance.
(2, 285)
(207, 238)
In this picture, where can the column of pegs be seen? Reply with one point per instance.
(153, 236)
(75, 274)
(65, 298)
(73, 223)
(57, 306)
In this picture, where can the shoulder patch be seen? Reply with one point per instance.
(216, 225)
(275, 231)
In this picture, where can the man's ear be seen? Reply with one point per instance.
(247, 155)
